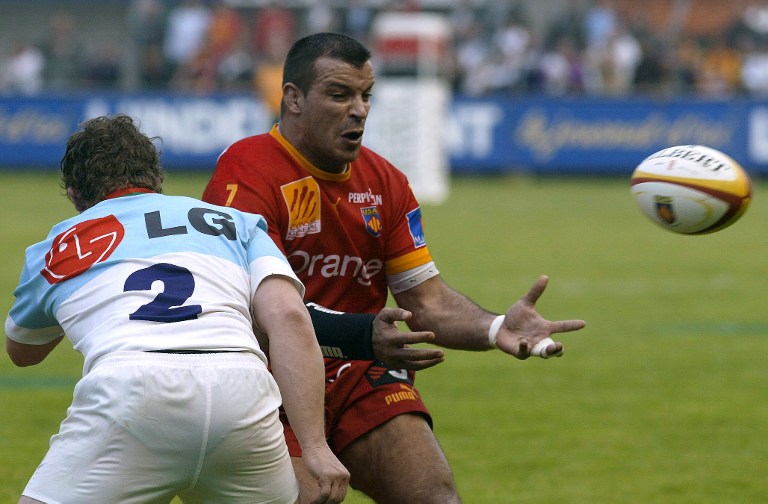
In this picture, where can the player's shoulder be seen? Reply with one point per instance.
(371, 160)
(247, 154)
(250, 144)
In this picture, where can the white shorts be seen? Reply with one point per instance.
(145, 427)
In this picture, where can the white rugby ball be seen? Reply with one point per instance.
(691, 189)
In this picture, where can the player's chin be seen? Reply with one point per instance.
(348, 151)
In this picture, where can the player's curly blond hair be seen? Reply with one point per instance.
(109, 154)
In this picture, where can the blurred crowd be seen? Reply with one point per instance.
(591, 48)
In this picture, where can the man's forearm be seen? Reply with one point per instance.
(24, 355)
(343, 335)
(457, 321)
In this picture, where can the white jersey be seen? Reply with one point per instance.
(147, 272)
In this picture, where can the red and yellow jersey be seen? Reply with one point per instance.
(342, 233)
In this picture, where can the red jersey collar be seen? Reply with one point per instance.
(127, 191)
(305, 163)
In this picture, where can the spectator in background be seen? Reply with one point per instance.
(268, 73)
(320, 17)
(720, 70)
(358, 17)
(651, 72)
(756, 19)
(683, 60)
(102, 69)
(599, 23)
(226, 47)
(513, 42)
(560, 68)
(185, 32)
(156, 73)
(146, 25)
(570, 23)
(622, 56)
(271, 20)
(472, 52)
(62, 52)
(754, 70)
(235, 70)
(224, 30)
(22, 71)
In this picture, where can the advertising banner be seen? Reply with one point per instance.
(490, 135)
(609, 136)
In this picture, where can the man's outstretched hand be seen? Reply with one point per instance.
(524, 327)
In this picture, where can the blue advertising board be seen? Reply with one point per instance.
(608, 136)
(532, 134)
(192, 130)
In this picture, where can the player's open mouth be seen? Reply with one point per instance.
(353, 136)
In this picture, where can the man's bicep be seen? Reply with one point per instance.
(275, 298)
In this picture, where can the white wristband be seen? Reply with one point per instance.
(494, 330)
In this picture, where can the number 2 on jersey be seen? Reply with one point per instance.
(178, 286)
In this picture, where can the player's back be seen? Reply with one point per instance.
(147, 272)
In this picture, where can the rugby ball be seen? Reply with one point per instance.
(691, 189)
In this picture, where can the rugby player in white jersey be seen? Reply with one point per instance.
(174, 304)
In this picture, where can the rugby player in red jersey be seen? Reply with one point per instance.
(352, 231)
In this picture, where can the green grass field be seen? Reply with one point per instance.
(661, 399)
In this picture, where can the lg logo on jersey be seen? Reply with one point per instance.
(204, 220)
(80, 247)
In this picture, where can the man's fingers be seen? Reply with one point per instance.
(547, 348)
(561, 326)
(332, 491)
(391, 315)
(536, 290)
(417, 359)
(423, 364)
(338, 493)
(522, 350)
(411, 338)
(399, 339)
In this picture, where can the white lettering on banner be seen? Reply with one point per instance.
(758, 135)
(334, 265)
(470, 129)
(194, 126)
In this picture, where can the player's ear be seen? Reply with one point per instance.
(293, 98)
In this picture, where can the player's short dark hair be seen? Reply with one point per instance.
(109, 154)
(299, 67)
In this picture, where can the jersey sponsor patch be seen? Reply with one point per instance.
(302, 198)
(372, 220)
(80, 247)
(415, 227)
